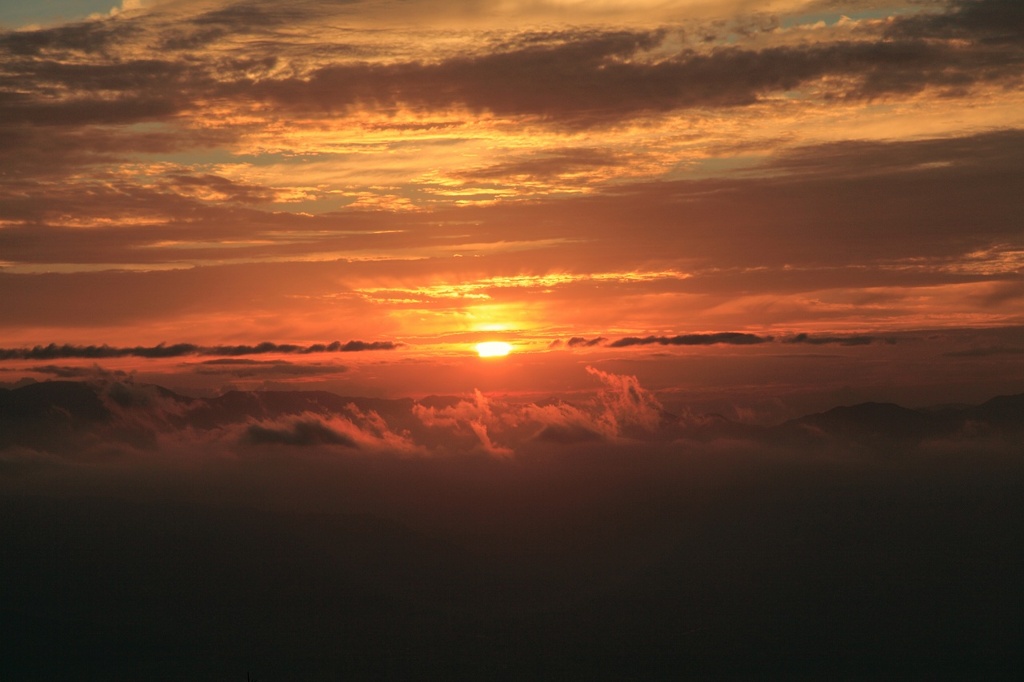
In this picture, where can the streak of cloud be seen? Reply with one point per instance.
(54, 351)
(580, 342)
(856, 340)
(729, 338)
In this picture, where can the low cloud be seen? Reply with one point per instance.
(985, 352)
(856, 340)
(626, 404)
(71, 372)
(580, 342)
(302, 432)
(621, 410)
(473, 415)
(278, 544)
(730, 338)
(53, 351)
(246, 369)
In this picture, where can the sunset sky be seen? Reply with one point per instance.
(511, 339)
(702, 194)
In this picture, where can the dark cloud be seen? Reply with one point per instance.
(997, 150)
(856, 340)
(248, 14)
(923, 193)
(87, 37)
(226, 190)
(145, 75)
(36, 153)
(594, 79)
(731, 338)
(94, 372)
(247, 369)
(579, 341)
(548, 164)
(985, 352)
(985, 21)
(353, 346)
(54, 351)
(574, 79)
(88, 110)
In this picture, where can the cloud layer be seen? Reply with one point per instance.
(333, 165)
(369, 535)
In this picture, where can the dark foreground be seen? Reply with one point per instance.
(681, 559)
(855, 579)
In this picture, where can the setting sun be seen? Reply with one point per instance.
(493, 349)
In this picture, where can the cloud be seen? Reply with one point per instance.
(109, 417)
(547, 164)
(861, 159)
(731, 338)
(581, 67)
(589, 77)
(984, 21)
(247, 369)
(90, 37)
(857, 340)
(221, 189)
(54, 351)
(985, 352)
(305, 432)
(579, 341)
(621, 410)
(627, 405)
(475, 415)
(601, 78)
(94, 372)
(769, 243)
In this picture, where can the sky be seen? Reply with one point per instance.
(758, 270)
(426, 176)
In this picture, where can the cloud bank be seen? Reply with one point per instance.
(304, 534)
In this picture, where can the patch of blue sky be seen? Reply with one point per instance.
(830, 18)
(20, 13)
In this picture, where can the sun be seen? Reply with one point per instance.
(493, 349)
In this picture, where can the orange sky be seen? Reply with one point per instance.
(428, 175)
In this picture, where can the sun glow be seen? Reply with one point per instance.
(493, 349)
